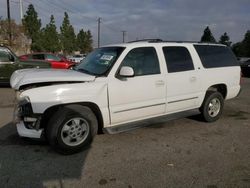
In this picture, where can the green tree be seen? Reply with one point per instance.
(50, 37)
(207, 36)
(246, 44)
(237, 49)
(84, 41)
(32, 27)
(89, 41)
(225, 39)
(80, 41)
(242, 49)
(67, 36)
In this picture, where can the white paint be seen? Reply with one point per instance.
(129, 99)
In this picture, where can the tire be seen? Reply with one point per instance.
(71, 129)
(212, 106)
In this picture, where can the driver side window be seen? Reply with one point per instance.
(144, 61)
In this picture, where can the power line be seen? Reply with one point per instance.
(55, 4)
(14, 2)
(36, 5)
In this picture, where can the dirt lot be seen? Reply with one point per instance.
(179, 153)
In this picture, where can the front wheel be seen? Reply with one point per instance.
(71, 129)
(212, 106)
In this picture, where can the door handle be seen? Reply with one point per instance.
(159, 83)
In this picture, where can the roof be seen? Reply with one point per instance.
(146, 42)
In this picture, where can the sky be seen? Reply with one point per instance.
(164, 19)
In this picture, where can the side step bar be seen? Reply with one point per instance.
(149, 122)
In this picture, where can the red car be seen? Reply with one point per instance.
(57, 61)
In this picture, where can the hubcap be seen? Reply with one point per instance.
(214, 107)
(75, 131)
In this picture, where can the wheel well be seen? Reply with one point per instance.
(48, 112)
(222, 88)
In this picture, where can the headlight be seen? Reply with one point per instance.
(23, 100)
(24, 107)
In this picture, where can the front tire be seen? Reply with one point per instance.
(71, 129)
(212, 106)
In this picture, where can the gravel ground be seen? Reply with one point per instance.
(180, 153)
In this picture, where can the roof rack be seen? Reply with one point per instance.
(147, 40)
(160, 40)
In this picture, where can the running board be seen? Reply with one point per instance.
(149, 122)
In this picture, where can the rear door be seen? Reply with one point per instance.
(141, 96)
(182, 80)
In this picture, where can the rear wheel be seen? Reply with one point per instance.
(71, 129)
(212, 106)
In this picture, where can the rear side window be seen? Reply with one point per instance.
(216, 56)
(52, 57)
(38, 56)
(178, 59)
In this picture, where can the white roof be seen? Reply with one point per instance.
(160, 43)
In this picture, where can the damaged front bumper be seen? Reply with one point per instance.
(23, 131)
(27, 123)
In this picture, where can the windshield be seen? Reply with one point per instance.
(100, 61)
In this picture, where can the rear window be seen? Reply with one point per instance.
(216, 56)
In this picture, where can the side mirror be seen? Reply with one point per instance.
(126, 71)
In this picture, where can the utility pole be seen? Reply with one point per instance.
(21, 9)
(8, 15)
(98, 36)
(123, 36)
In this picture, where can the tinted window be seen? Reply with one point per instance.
(4, 55)
(178, 59)
(216, 56)
(38, 56)
(144, 61)
(53, 57)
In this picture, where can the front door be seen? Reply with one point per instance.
(141, 96)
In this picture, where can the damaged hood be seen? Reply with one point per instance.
(32, 76)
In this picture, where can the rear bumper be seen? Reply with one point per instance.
(25, 132)
(239, 92)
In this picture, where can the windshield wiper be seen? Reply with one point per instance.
(88, 72)
(85, 71)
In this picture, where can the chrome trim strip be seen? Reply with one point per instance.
(182, 100)
(139, 107)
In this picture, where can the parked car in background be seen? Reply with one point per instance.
(245, 67)
(57, 61)
(9, 63)
(77, 58)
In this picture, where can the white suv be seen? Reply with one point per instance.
(117, 87)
